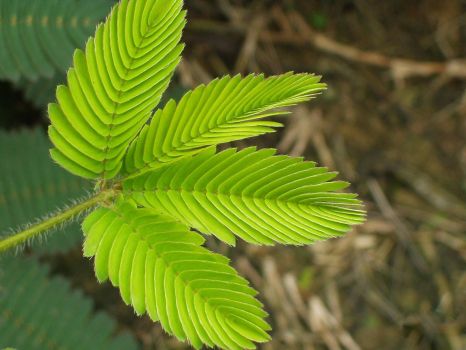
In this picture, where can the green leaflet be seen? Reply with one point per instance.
(38, 37)
(161, 268)
(38, 312)
(31, 186)
(255, 195)
(227, 109)
(114, 85)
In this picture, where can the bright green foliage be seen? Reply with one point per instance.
(41, 313)
(259, 197)
(161, 268)
(227, 109)
(159, 175)
(31, 185)
(114, 85)
(37, 37)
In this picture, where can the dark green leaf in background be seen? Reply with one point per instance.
(37, 38)
(42, 313)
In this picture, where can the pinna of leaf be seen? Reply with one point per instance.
(160, 176)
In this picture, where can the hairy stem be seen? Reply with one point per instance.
(51, 222)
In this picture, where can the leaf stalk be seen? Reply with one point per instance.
(52, 222)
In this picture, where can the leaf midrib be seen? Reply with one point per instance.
(116, 104)
(205, 192)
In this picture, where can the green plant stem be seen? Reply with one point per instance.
(51, 222)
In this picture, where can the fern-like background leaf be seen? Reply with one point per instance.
(42, 313)
(227, 109)
(31, 186)
(255, 195)
(114, 85)
(161, 268)
(37, 38)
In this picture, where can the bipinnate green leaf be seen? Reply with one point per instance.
(162, 269)
(167, 178)
(227, 109)
(252, 194)
(114, 85)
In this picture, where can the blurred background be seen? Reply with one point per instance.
(392, 122)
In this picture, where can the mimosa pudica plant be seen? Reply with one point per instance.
(161, 184)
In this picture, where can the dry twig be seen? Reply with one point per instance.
(401, 229)
(400, 68)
